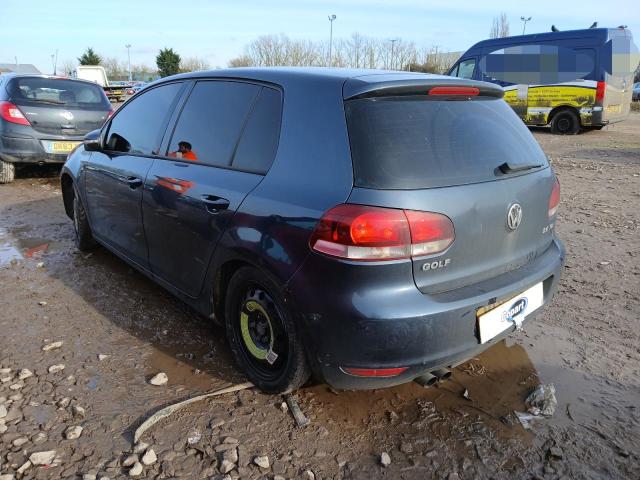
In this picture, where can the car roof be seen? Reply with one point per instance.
(601, 34)
(365, 79)
(42, 75)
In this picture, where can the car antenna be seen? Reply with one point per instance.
(594, 25)
(554, 29)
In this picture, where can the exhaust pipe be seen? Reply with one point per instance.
(442, 373)
(426, 380)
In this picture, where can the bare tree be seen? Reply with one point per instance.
(68, 66)
(194, 64)
(357, 51)
(115, 69)
(500, 26)
(241, 61)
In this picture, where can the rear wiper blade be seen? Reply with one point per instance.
(508, 167)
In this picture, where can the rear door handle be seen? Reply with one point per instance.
(215, 204)
(134, 182)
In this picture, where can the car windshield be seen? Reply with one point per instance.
(414, 142)
(57, 92)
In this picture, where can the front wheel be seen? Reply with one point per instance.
(7, 172)
(262, 334)
(565, 122)
(84, 238)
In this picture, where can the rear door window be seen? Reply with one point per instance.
(259, 142)
(414, 142)
(211, 122)
(56, 92)
(138, 125)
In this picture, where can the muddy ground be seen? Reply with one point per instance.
(586, 343)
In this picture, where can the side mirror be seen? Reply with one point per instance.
(93, 141)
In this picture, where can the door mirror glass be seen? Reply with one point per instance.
(93, 141)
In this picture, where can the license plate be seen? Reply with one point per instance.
(510, 313)
(63, 147)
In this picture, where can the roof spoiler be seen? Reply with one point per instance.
(354, 89)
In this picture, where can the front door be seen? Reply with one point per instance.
(223, 143)
(114, 178)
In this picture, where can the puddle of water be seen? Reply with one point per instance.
(188, 372)
(497, 382)
(12, 248)
(8, 253)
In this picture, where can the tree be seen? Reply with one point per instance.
(168, 62)
(500, 27)
(68, 66)
(115, 69)
(89, 57)
(194, 64)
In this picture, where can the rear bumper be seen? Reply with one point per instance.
(364, 316)
(23, 149)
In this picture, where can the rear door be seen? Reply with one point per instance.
(114, 178)
(443, 154)
(222, 144)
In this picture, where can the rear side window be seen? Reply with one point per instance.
(55, 92)
(137, 127)
(416, 142)
(211, 122)
(259, 142)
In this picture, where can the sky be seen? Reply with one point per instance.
(216, 31)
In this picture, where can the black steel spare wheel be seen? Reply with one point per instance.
(262, 334)
(264, 338)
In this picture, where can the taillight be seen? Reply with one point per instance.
(554, 199)
(601, 87)
(375, 372)
(465, 91)
(359, 232)
(110, 113)
(11, 113)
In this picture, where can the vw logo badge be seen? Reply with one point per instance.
(67, 115)
(514, 216)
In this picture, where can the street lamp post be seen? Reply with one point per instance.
(128, 47)
(331, 19)
(393, 43)
(524, 22)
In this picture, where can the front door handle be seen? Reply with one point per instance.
(134, 182)
(215, 204)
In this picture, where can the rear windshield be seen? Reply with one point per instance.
(414, 142)
(57, 92)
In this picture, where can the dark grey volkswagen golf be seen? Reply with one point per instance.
(367, 227)
(43, 118)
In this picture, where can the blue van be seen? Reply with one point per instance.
(571, 80)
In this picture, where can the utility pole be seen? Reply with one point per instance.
(128, 47)
(524, 23)
(53, 67)
(393, 43)
(331, 19)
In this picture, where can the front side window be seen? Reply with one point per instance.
(212, 121)
(137, 128)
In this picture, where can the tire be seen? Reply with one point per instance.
(565, 122)
(83, 236)
(262, 334)
(7, 172)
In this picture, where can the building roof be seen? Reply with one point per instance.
(18, 68)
